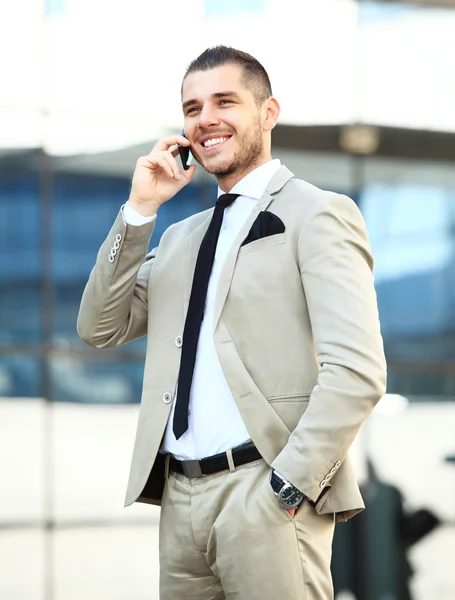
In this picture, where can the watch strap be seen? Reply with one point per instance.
(277, 482)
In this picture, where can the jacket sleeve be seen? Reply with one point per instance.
(336, 270)
(113, 309)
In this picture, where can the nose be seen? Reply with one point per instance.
(208, 117)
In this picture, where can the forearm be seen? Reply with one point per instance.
(318, 446)
(113, 309)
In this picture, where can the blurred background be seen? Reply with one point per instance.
(86, 87)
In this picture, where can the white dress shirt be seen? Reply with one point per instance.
(214, 422)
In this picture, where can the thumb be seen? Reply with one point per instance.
(187, 176)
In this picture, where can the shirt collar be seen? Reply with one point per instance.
(253, 185)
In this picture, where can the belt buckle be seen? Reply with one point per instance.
(192, 468)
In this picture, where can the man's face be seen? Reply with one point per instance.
(222, 120)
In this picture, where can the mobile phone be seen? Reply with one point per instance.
(185, 154)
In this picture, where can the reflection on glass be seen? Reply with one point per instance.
(411, 230)
(88, 382)
(20, 376)
(20, 259)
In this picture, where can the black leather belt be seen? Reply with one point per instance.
(213, 464)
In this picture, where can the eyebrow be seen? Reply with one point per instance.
(217, 95)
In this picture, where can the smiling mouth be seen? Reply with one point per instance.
(215, 142)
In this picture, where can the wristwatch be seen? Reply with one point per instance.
(288, 495)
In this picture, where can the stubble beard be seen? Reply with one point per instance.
(246, 157)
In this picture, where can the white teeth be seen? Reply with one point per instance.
(214, 142)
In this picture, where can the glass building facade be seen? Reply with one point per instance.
(53, 222)
(68, 412)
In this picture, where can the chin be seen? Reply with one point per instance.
(221, 168)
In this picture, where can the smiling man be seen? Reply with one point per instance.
(264, 353)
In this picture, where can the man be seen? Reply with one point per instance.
(275, 348)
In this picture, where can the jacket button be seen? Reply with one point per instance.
(178, 341)
(167, 398)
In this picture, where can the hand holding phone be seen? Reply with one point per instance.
(157, 177)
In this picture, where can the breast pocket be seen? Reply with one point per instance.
(263, 243)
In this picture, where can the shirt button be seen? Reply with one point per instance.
(178, 341)
(167, 398)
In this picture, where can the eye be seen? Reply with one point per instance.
(225, 101)
(190, 110)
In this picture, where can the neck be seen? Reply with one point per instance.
(229, 180)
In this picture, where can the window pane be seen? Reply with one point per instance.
(20, 257)
(91, 382)
(412, 237)
(20, 376)
(215, 8)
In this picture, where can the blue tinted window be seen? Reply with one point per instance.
(91, 382)
(412, 237)
(52, 7)
(20, 257)
(215, 8)
(20, 377)
(381, 11)
(19, 225)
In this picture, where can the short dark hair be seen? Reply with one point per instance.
(254, 76)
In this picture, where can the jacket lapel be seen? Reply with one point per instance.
(281, 177)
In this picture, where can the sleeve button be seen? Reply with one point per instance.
(178, 341)
(167, 398)
(118, 238)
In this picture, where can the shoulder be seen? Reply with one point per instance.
(302, 203)
(312, 198)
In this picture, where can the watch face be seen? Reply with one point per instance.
(290, 496)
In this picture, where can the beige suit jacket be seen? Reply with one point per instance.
(296, 330)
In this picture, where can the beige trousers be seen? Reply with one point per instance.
(224, 537)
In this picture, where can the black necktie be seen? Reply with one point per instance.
(195, 313)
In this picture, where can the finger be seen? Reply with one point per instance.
(174, 150)
(170, 160)
(159, 161)
(167, 142)
(173, 164)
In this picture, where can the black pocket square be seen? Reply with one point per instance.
(266, 223)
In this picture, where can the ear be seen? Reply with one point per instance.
(272, 112)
